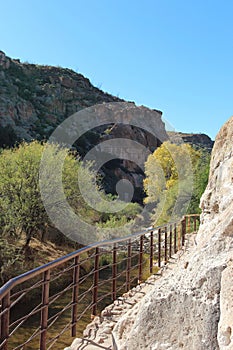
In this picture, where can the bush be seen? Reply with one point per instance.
(22, 209)
(11, 259)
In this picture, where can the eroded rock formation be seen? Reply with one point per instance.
(195, 140)
(35, 99)
(192, 306)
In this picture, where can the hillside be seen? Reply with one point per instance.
(35, 99)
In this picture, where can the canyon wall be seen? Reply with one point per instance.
(192, 307)
(35, 99)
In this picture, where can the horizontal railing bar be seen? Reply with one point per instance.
(120, 274)
(134, 255)
(56, 296)
(3, 343)
(33, 312)
(133, 279)
(24, 318)
(54, 318)
(85, 277)
(121, 287)
(4, 311)
(82, 261)
(34, 335)
(102, 297)
(38, 308)
(127, 273)
(83, 294)
(38, 270)
(26, 290)
(68, 326)
(104, 267)
(88, 307)
(58, 274)
(104, 281)
(122, 259)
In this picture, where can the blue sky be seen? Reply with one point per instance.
(172, 55)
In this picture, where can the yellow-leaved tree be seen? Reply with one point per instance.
(171, 180)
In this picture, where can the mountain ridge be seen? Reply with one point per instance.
(35, 99)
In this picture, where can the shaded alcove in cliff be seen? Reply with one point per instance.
(114, 171)
(119, 167)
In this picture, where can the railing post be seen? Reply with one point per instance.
(114, 271)
(175, 237)
(183, 230)
(140, 260)
(189, 223)
(195, 223)
(159, 247)
(45, 309)
(170, 242)
(5, 321)
(179, 235)
(128, 266)
(165, 245)
(6, 328)
(95, 284)
(75, 295)
(151, 251)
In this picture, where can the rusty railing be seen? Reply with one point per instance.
(44, 306)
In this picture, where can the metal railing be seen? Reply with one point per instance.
(44, 306)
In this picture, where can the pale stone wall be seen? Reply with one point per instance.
(192, 307)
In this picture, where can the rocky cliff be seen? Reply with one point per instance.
(192, 306)
(35, 99)
(195, 140)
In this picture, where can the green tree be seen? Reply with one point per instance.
(11, 259)
(201, 175)
(22, 209)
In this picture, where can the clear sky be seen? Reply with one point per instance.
(171, 55)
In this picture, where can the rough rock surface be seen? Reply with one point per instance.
(98, 333)
(35, 99)
(191, 308)
(196, 140)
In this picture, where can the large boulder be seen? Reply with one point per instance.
(192, 306)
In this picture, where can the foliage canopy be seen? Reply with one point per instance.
(22, 213)
(176, 176)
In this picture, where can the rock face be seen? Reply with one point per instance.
(192, 307)
(195, 140)
(35, 99)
